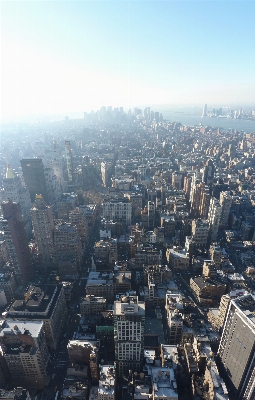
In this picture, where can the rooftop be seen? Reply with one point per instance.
(164, 384)
(15, 327)
(39, 301)
(129, 306)
(247, 305)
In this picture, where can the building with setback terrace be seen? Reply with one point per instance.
(42, 302)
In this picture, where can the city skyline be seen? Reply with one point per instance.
(64, 57)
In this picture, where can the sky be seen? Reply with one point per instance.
(74, 56)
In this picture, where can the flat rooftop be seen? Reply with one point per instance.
(39, 301)
(153, 326)
(129, 306)
(15, 327)
(247, 305)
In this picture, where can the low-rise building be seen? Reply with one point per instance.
(208, 291)
(91, 305)
(178, 259)
(164, 384)
(85, 352)
(107, 383)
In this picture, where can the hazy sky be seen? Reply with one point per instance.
(65, 56)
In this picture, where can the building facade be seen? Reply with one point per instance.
(43, 226)
(129, 321)
(45, 303)
(25, 352)
(33, 173)
(118, 211)
(16, 241)
(237, 346)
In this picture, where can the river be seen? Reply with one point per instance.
(192, 117)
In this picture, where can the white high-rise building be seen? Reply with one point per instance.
(204, 112)
(129, 321)
(200, 231)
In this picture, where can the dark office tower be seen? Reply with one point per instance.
(17, 244)
(237, 347)
(69, 161)
(33, 173)
(231, 151)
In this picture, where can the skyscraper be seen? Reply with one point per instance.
(16, 240)
(208, 172)
(225, 201)
(204, 112)
(43, 225)
(129, 321)
(69, 161)
(56, 164)
(33, 172)
(214, 217)
(237, 346)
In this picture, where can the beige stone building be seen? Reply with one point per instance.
(91, 305)
(178, 259)
(208, 291)
(85, 352)
(45, 303)
(67, 242)
(25, 352)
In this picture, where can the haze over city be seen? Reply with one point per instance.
(75, 56)
(127, 200)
